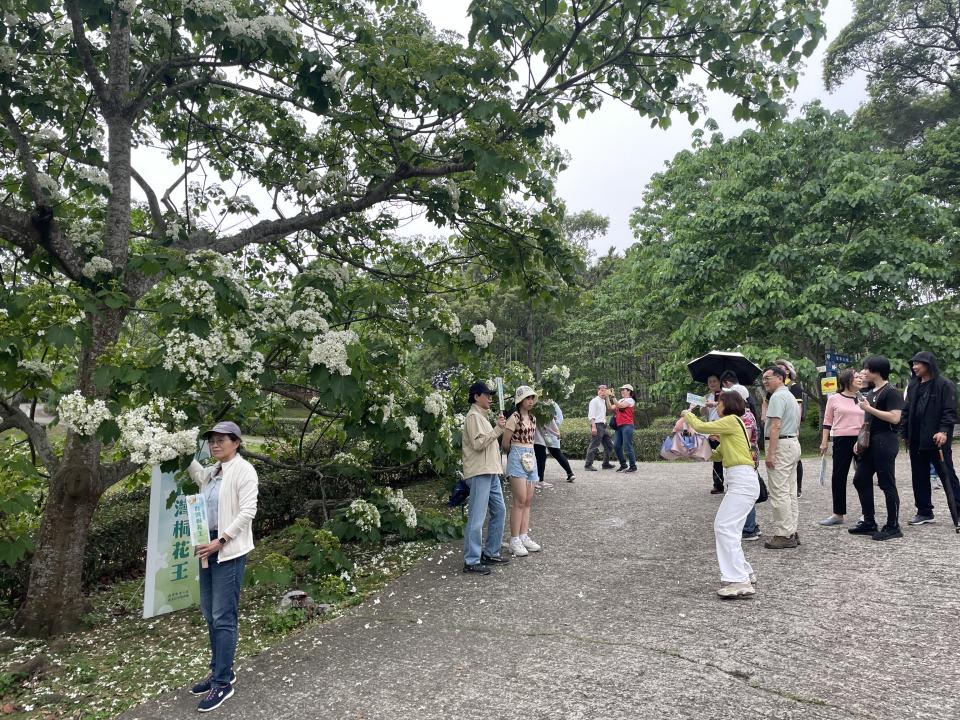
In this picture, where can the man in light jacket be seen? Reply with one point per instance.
(481, 472)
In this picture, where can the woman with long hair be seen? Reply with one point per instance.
(743, 489)
(623, 440)
(518, 434)
(842, 420)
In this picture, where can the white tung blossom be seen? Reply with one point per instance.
(145, 434)
(48, 185)
(315, 299)
(97, 265)
(435, 403)
(81, 415)
(483, 334)
(197, 356)
(364, 515)
(35, 367)
(400, 505)
(330, 350)
(309, 321)
(416, 435)
(94, 176)
(446, 320)
(197, 295)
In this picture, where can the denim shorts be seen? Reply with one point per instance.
(515, 467)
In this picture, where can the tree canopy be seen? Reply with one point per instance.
(273, 263)
(794, 240)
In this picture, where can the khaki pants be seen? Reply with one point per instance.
(782, 486)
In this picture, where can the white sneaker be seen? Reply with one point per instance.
(517, 548)
(736, 590)
(529, 544)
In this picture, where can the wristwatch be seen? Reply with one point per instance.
(223, 540)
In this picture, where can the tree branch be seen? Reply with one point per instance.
(267, 230)
(85, 51)
(155, 212)
(14, 417)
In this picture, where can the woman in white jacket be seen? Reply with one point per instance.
(229, 489)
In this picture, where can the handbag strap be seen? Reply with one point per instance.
(747, 438)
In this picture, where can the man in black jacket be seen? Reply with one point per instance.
(927, 428)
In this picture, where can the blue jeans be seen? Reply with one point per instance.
(623, 443)
(485, 492)
(219, 597)
(750, 526)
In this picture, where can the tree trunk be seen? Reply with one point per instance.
(55, 602)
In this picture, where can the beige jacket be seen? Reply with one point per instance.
(237, 503)
(481, 451)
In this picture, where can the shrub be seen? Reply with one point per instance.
(646, 443)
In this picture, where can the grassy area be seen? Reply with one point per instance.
(122, 660)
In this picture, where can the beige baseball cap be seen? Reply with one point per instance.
(627, 387)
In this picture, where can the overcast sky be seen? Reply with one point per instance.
(614, 152)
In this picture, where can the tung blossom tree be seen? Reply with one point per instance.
(271, 264)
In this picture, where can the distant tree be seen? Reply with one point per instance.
(793, 240)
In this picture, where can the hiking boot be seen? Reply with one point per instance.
(864, 527)
(921, 519)
(203, 687)
(480, 569)
(517, 548)
(736, 590)
(888, 533)
(215, 698)
(529, 544)
(493, 559)
(779, 542)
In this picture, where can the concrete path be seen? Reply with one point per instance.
(618, 618)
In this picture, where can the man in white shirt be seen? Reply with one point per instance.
(597, 412)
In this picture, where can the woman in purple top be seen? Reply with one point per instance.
(842, 420)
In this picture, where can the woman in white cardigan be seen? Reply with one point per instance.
(229, 489)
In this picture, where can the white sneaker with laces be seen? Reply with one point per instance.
(529, 544)
(517, 548)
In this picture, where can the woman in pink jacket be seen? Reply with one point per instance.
(841, 421)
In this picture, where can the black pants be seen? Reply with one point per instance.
(799, 477)
(717, 469)
(540, 451)
(842, 459)
(920, 461)
(879, 459)
(598, 440)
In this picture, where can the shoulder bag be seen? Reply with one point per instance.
(762, 497)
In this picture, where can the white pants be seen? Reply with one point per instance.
(743, 489)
